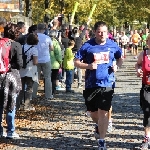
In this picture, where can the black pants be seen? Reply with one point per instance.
(54, 76)
(145, 105)
(25, 94)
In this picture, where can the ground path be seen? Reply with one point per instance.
(61, 124)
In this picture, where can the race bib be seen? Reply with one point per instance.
(101, 58)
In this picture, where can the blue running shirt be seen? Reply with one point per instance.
(103, 55)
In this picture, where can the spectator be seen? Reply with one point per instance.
(29, 74)
(12, 81)
(44, 63)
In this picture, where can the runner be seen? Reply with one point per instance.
(130, 42)
(135, 39)
(124, 40)
(143, 70)
(144, 36)
(97, 55)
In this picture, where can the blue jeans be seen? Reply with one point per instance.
(69, 74)
(10, 119)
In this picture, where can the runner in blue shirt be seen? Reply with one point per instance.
(97, 56)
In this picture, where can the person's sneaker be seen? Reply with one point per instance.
(145, 144)
(58, 88)
(135, 57)
(110, 127)
(3, 134)
(96, 132)
(12, 135)
(101, 145)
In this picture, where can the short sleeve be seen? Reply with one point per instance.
(34, 51)
(50, 42)
(81, 53)
(118, 52)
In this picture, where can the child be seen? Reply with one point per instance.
(68, 65)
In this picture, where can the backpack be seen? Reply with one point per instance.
(24, 57)
(5, 46)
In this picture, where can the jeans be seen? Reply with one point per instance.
(10, 119)
(46, 69)
(25, 95)
(69, 79)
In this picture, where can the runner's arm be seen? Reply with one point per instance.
(119, 62)
(138, 64)
(81, 65)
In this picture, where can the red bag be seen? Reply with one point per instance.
(5, 46)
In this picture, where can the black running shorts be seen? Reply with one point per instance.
(101, 100)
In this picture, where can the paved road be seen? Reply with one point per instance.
(61, 124)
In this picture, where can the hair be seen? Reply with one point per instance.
(32, 28)
(32, 39)
(55, 22)
(99, 24)
(75, 30)
(53, 33)
(20, 25)
(11, 31)
(71, 43)
(41, 26)
(2, 20)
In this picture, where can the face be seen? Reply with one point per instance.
(23, 29)
(135, 31)
(123, 33)
(101, 33)
(131, 32)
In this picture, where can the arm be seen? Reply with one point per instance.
(35, 56)
(119, 59)
(81, 65)
(51, 48)
(35, 60)
(58, 53)
(119, 62)
(69, 54)
(138, 65)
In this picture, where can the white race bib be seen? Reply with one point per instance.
(101, 58)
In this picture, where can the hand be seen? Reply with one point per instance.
(115, 68)
(139, 73)
(93, 66)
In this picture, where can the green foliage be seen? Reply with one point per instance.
(114, 12)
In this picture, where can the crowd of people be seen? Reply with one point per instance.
(59, 55)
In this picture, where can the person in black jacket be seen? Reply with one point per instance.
(10, 83)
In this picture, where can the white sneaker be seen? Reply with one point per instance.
(110, 127)
(12, 135)
(3, 134)
(58, 88)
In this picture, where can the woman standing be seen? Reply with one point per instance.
(29, 73)
(10, 80)
(56, 60)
